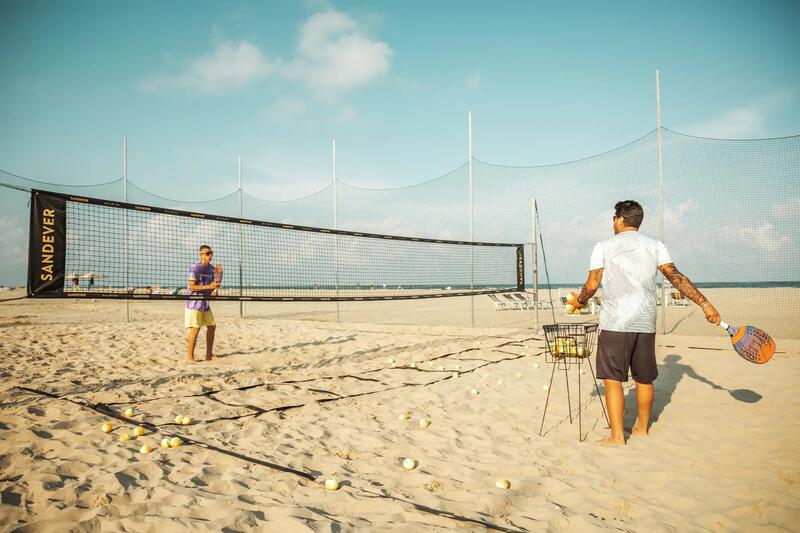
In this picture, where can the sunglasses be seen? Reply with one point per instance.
(206, 253)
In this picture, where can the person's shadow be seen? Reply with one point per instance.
(669, 375)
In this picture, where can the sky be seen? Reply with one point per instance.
(193, 85)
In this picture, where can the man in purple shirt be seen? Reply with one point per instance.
(202, 280)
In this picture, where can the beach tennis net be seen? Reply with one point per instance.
(93, 248)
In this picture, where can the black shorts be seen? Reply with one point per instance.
(618, 351)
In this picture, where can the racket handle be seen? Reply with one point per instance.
(724, 325)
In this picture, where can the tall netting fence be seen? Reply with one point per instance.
(731, 223)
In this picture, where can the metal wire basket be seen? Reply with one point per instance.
(569, 343)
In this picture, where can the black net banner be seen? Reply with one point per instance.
(92, 248)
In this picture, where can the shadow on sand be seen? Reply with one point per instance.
(669, 375)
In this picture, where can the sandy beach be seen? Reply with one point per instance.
(296, 397)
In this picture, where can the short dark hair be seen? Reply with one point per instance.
(204, 247)
(630, 211)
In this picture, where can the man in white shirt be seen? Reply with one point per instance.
(627, 264)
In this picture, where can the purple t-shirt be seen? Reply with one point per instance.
(202, 275)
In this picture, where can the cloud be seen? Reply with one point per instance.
(474, 79)
(764, 237)
(744, 122)
(288, 107)
(230, 65)
(334, 54)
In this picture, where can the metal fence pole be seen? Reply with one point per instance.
(471, 227)
(661, 198)
(125, 241)
(241, 242)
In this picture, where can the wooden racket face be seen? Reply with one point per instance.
(753, 344)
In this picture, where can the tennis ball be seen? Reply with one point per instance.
(581, 350)
(106, 427)
(576, 311)
(409, 464)
(518, 375)
(424, 422)
(572, 298)
(413, 365)
(393, 365)
(404, 417)
(186, 420)
(124, 437)
(145, 448)
(570, 308)
(474, 392)
(129, 412)
(502, 484)
(454, 375)
(164, 442)
(545, 387)
(179, 419)
(332, 484)
(139, 431)
(174, 442)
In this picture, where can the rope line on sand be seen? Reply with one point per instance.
(106, 411)
(356, 375)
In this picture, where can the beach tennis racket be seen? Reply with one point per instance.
(218, 278)
(751, 343)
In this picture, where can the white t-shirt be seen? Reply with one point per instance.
(629, 261)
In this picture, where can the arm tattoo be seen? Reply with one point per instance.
(684, 285)
(585, 295)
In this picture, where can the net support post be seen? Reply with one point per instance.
(335, 225)
(661, 197)
(471, 226)
(125, 199)
(534, 269)
(241, 241)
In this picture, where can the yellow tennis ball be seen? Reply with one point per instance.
(474, 392)
(145, 449)
(186, 420)
(570, 308)
(404, 417)
(502, 484)
(179, 419)
(174, 442)
(424, 422)
(545, 387)
(577, 311)
(164, 442)
(106, 427)
(129, 412)
(332, 484)
(139, 431)
(409, 464)
(124, 437)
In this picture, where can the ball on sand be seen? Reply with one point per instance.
(174, 442)
(474, 392)
(179, 419)
(404, 417)
(186, 420)
(536, 365)
(413, 365)
(164, 442)
(409, 464)
(332, 484)
(454, 374)
(545, 387)
(139, 431)
(129, 412)
(518, 375)
(124, 437)
(106, 427)
(502, 484)
(393, 365)
(145, 448)
(424, 422)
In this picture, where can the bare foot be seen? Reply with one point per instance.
(189, 360)
(209, 357)
(611, 441)
(639, 431)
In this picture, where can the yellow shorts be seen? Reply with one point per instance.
(198, 319)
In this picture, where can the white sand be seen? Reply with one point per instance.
(722, 454)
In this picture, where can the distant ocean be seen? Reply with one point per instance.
(706, 285)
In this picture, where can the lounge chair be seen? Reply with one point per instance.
(515, 304)
(524, 301)
(499, 304)
(677, 299)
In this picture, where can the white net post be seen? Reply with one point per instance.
(335, 225)
(661, 198)
(534, 269)
(125, 198)
(471, 226)
(241, 242)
